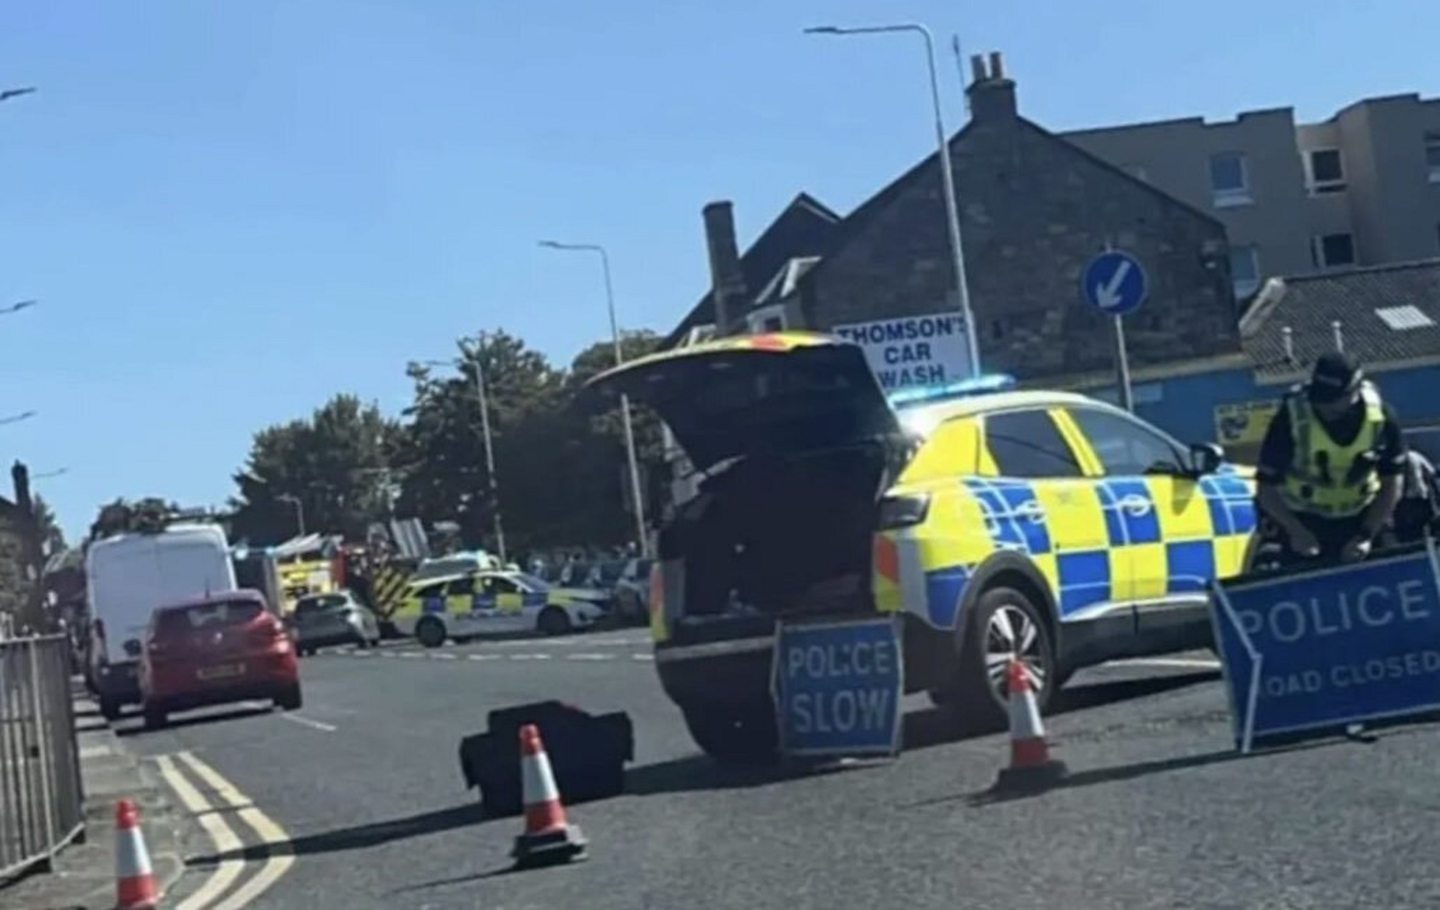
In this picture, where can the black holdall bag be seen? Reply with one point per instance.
(587, 754)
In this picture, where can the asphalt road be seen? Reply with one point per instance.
(1158, 810)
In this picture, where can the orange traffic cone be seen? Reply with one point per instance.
(549, 839)
(135, 887)
(1031, 766)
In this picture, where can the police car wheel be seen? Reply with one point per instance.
(734, 734)
(553, 621)
(1003, 625)
(430, 632)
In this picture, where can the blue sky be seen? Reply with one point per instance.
(233, 210)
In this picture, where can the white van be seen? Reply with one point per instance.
(127, 577)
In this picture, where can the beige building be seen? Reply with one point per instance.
(1362, 188)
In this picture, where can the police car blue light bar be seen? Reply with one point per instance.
(961, 388)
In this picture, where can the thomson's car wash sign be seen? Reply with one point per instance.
(912, 350)
(1320, 649)
(837, 687)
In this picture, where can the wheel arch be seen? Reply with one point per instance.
(1012, 570)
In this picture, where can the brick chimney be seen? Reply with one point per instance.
(992, 94)
(727, 281)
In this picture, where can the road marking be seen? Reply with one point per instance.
(591, 656)
(221, 835)
(307, 722)
(388, 654)
(442, 657)
(1186, 663)
(410, 654)
(482, 657)
(272, 836)
(642, 656)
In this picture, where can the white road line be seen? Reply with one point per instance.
(220, 833)
(411, 654)
(482, 657)
(442, 657)
(642, 656)
(307, 722)
(272, 837)
(590, 656)
(1189, 663)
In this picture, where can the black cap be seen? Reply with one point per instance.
(1335, 377)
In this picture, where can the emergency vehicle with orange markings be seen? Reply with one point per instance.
(996, 523)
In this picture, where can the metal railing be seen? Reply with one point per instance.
(41, 800)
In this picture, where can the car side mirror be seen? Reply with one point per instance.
(1206, 457)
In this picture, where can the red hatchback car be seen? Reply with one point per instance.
(222, 648)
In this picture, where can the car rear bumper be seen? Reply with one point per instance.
(265, 676)
(118, 682)
(329, 635)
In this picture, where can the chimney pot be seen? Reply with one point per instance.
(992, 96)
(997, 66)
(977, 68)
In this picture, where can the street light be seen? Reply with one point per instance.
(493, 483)
(7, 94)
(18, 306)
(637, 500)
(299, 510)
(55, 473)
(16, 418)
(952, 212)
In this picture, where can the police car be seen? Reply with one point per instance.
(488, 602)
(997, 523)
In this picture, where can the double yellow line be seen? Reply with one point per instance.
(273, 839)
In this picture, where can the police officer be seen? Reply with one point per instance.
(1331, 465)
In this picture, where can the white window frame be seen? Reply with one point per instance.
(1432, 141)
(757, 318)
(1318, 242)
(1251, 285)
(1230, 196)
(1322, 187)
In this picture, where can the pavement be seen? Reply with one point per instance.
(83, 874)
(363, 805)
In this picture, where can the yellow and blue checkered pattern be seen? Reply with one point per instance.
(1097, 542)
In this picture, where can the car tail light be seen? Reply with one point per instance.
(902, 511)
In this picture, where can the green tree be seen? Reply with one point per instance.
(336, 463)
(52, 538)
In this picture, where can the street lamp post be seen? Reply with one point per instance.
(299, 510)
(952, 212)
(637, 499)
(17, 307)
(16, 418)
(492, 481)
(7, 94)
(55, 473)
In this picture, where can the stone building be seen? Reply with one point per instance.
(1034, 209)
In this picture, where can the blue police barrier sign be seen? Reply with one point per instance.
(1321, 649)
(1115, 283)
(837, 687)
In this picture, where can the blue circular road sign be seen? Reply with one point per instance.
(1114, 283)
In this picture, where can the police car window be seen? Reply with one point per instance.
(495, 584)
(1027, 444)
(460, 586)
(1124, 446)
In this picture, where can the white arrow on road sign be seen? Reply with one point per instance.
(1107, 294)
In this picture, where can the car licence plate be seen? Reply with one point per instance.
(221, 671)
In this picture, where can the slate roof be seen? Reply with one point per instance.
(1310, 305)
(803, 228)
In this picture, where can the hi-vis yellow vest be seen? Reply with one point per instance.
(1319, 481)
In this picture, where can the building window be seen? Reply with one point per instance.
(1229, 179)
(1432, 157)
(1326, 170)
(1332, 250)
(1245, 269)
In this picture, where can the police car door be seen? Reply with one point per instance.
(1042, 501)
(1160, 515)
(464, 611)
(508, 614)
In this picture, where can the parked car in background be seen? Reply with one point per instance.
(321, 620)
(604, 574)
(216, 649)
(632, 591)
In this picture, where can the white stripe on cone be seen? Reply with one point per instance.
(1025, 712)
(538, 780)
(132, 860)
